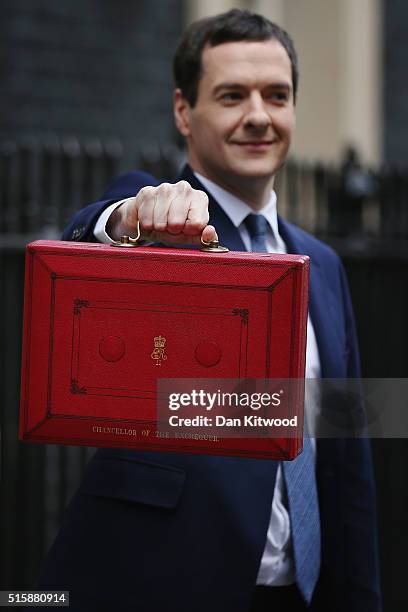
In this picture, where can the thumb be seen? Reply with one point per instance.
(209, 234)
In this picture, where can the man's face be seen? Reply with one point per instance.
(242, 123)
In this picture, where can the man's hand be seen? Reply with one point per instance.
(170, 213)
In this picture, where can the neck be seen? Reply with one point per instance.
(254, 191)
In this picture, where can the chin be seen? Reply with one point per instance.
(265, 171)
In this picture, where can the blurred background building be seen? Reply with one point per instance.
(92, 69)
(86, 92)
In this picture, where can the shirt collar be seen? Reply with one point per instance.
(236, 209)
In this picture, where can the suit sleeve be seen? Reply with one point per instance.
(81, 225)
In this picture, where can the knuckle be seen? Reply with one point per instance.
(164, 188)
(145, 193)
(184, 183)
(184, 186)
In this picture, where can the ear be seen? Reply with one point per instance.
(181, 113)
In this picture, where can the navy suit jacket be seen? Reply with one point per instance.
(177, 532)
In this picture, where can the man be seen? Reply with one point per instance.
(156, 531)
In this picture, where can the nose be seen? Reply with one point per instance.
(256, 115)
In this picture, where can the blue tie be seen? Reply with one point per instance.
(257, 227)
(300, 479)
(299, 476)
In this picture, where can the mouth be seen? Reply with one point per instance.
(254, 145)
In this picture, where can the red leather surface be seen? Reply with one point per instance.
(93, 312)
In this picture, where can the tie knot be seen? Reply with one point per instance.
(256, 225)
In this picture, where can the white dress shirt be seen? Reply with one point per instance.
(277, 565)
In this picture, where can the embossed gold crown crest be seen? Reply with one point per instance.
(159, 342)
(159, 351)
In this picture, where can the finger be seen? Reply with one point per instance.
(208, 235)
(198, 215)
(180, 206)
(145, 201)
(163, 197)
(177, 215)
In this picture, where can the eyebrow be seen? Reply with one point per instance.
(222, 86)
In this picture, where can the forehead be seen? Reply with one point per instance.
(249, 62)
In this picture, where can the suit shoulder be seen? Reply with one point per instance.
(314, 247)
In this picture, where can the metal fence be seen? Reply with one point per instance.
(362, 212)
(43, 184)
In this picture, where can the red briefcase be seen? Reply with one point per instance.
(102, 324)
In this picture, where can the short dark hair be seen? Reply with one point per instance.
(233, 26)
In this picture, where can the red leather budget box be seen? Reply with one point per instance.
(102, 324)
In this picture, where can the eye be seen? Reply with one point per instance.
(231, 96)
(278, 96)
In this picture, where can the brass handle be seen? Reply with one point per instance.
(210, 247)
(213, 247)
(128, 241)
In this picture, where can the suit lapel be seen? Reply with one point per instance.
(322, 305)
(324, 323)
